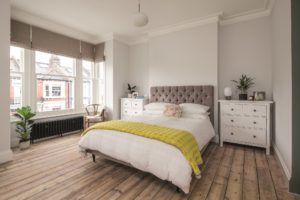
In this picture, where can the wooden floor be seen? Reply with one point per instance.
(55, 170)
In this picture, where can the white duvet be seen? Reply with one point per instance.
(163, 160)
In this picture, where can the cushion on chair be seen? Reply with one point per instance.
(96, 118)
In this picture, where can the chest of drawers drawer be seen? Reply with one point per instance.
(232, 109)
(245, 136)
(244, 121)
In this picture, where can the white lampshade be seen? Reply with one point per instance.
(140, 19)
(227, 92)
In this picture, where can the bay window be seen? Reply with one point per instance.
(48, 82)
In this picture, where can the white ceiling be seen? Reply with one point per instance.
(98, 18)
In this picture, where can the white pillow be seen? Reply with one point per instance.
(195, 116)
(153, 112)
(192, 108)
(156, 106)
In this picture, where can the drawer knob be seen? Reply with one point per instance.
(254, 110)
(254, 123)
(232, 109)
(231, 133)
(232, 120)
(254, 136)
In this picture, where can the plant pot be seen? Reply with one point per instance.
(129, 95)
(243, 96)
(24, 145)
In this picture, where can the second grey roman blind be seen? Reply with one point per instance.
(87, 51)
(47, 41)
(99, 52)
(20, 34)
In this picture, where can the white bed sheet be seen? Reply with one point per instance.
(163, 160)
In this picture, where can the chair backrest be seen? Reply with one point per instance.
(94, 109)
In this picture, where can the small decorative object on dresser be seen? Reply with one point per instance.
(135, 95)
(243, 85)
(259, 96)
(228, 93)
(132, 107)
(246, 122)
(131, 90)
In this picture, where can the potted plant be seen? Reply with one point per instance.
(24, 126)
(130, 90)
(243, 85)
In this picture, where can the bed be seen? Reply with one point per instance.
(163, 160)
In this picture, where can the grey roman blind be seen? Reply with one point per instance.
(32, 37)
(99, 52)
(47, 41)
(20, 34)
(87, 51)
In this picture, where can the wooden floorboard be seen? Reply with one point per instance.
(54, 169)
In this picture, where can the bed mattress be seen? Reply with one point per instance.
(163, 160)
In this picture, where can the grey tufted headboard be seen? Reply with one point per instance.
(203, 94)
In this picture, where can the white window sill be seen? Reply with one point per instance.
(14, 119)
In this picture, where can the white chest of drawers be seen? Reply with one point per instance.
(132, 107)
(246, 122)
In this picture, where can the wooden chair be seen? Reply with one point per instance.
(95, 114)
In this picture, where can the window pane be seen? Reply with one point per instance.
(49, 64)
(16, 77)
(87, 92)
(16, 59)
(15, 92)
(101, 68)
(87, 69)
(54, 93)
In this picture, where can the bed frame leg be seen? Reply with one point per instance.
(177, 189)
(94, 157)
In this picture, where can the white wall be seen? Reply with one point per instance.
(139, 67)
(117, 67)
(188, 57)
(121, 74)
(245, 48)
(5, 152)
(109, 78)
(282, 80)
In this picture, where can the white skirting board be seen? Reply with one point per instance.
(285, 168)
(6, 156)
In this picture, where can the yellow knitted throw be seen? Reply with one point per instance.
(181, 139)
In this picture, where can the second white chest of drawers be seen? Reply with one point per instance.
(246, 122)
(132, 107)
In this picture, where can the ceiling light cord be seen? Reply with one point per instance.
(139, 6)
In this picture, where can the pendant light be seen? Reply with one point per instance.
(140, 18)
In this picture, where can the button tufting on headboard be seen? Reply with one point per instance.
(184, 94)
